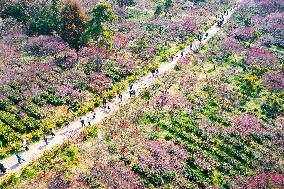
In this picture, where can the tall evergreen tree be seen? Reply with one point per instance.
(73, 22)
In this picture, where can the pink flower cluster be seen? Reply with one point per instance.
(244, 33)
(274, 81)
(261, 57)
(246, 125)
(261, 180)
(99, 81)
(162, 157)
(113, 175)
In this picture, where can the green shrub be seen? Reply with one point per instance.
(7, 135)
(39, 101)
(273, 105)
(10, 181)
(113, 71)
(70, 154)
(31, 124)
(46, 20)
(32, 110)
(12, 121)
(15, 10)
(28, 173)
(146, 94)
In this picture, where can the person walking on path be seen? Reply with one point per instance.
(157, 71)
(89, 121)
(199, 38)
(132, 93)
(108, 102)
(82, 122)
(100, 137)
(206, 35)
(66, 123)
(52, 132)
(104, 102)
(94, 114)
(19, 157)
(2, 168)
(25, 144)
(153, 71)
(120, 97)
(45, 139)
(181, 53)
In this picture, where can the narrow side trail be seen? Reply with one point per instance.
(36, 149)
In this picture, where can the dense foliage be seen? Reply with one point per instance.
(216, 121)
(49, 73)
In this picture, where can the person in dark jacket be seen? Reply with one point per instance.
(82, 122)
(120, 97)
(45, 139)
(2, 168)
(104, 102)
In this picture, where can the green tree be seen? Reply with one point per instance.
(73, 22)
(96, 28)
(46, 20)
(158, 10)
(167, 5)
(124, 3)
(55, 14)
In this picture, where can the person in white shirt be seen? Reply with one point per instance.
(100, 137)
(89, 121)
(25, 144)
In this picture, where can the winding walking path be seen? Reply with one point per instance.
(74, 128)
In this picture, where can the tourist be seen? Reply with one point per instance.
(199, 38)
(2, 168)
(157, 71)
(120, 97)
(19, 157)
(89, 121)
(104, 102)
(100, 137)
(181, 53)
(108, 103)
(82, 122)
(94, 114)
(45, 139)
(52, 132)
(25, 144)
(153, 72)
(130, 86)
(132, 93)
(108, 135)
(66, 123)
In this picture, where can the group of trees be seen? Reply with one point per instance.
(165, 7)
(67, 20)
(77, 30)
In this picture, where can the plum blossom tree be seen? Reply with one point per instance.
(274, 81)
(244, 33)
(246, 125)
(94, 56)
(99, 82)
(261, 57)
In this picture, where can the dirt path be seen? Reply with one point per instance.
(75, 127)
